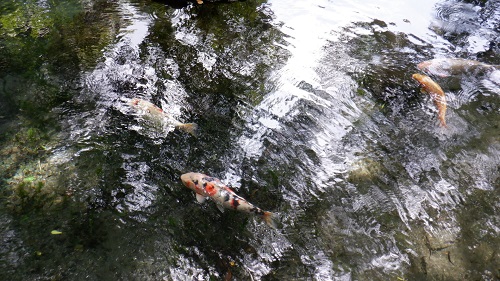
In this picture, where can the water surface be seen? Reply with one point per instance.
(307, 109)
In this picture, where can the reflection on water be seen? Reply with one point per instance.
(306, 109)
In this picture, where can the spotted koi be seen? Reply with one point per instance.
(209, 187)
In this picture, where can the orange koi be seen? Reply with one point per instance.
(437, 95)
(156, 114)
(209, 187)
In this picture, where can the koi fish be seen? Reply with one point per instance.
(445, 67)
(209, 187)
(156, 114)
(437, 94)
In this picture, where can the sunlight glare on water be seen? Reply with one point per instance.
(309, 29)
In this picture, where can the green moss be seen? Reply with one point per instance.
(28, 19)
(29, 179)
(31, 139)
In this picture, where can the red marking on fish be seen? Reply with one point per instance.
(134, 101)
(210, 189)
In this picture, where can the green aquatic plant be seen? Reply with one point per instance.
(29, 179)
(27, 191)
(29, 19)
(30, 140)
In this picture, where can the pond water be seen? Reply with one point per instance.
(307, 109)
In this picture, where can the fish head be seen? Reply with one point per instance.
(200, 183)
(134, 102)
(442, 67)
(424, 66)
(191, 180)
(420, 78)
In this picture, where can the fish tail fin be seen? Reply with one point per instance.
(441, 116)
(191, 128)
(270, 219)
(442, 123)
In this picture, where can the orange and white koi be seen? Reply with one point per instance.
(156, 114)
(209, 187)
(444, 67)
(437, 95)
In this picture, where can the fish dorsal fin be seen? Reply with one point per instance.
(229, 189)
(200, 198)
(220, 207)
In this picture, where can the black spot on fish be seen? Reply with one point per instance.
(205, 184)
(195, 182)
(235, 203)
(257, 211)
(227, 197)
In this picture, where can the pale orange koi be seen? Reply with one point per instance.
(444, 67)
(151, 111)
